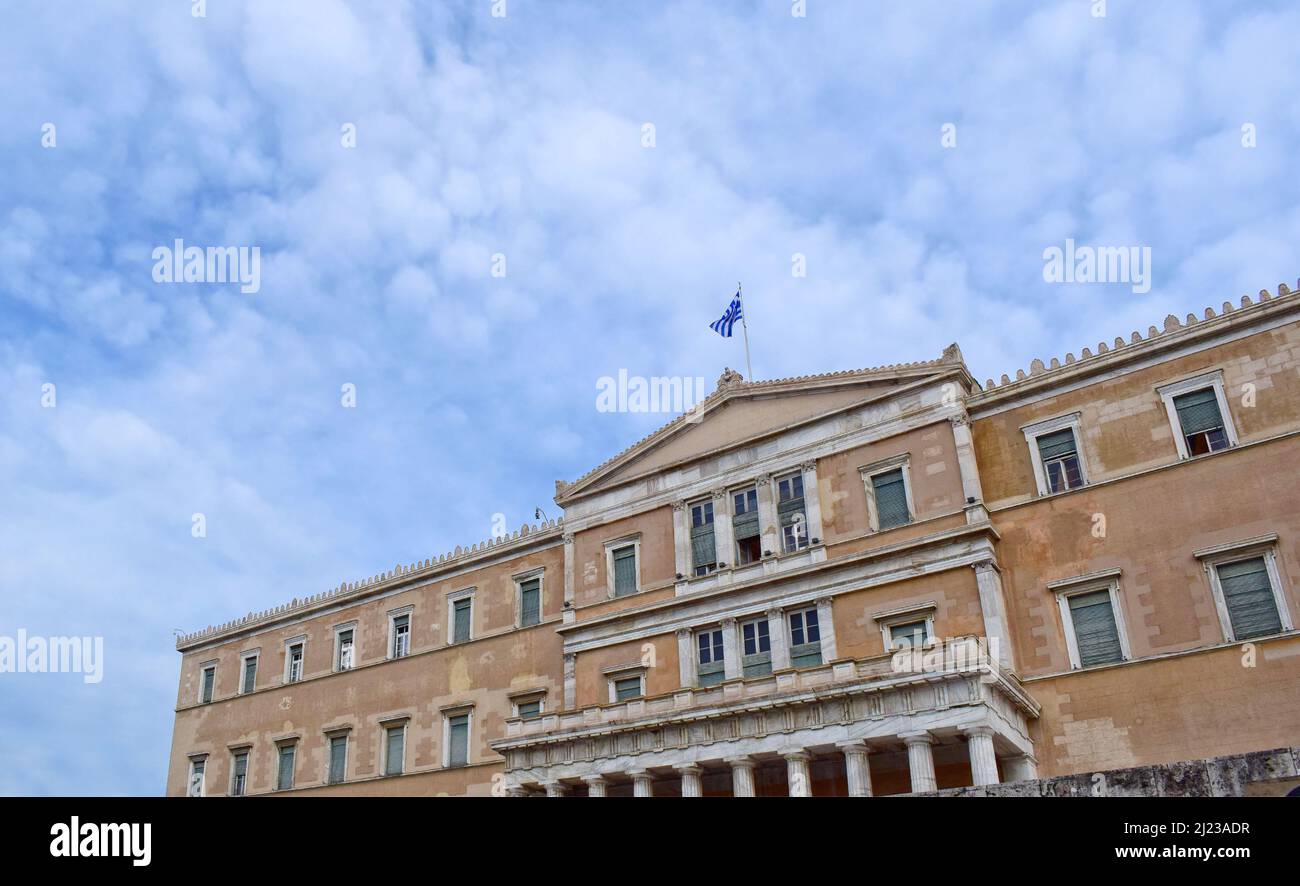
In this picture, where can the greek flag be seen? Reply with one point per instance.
(722, 326)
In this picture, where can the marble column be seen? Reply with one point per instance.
(812, 505)
(920, 760)
(691, 786)
(796, 772)
(641, 783)
(595, 785)
(779, 636)
(682, 540)
(988, 579)
(826, 628)
(724, 537)
(1021, 768)
(742, 776)
(983, 761)
(768, 531)
(685, 658)
(556, 789)
(732, 669)
(857, 767)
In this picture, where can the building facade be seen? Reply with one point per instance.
(886, 581)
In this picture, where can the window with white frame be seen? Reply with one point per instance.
(909, 628)
(248, 672)
(457, 737)
(889, 493)
(399, 633)
(207, 683)
(345, 641)
(1093, 620)
(621, 565)
(1198, 412)
(288, 752)
(1247, 588)
(805, 638)
(756, 647)
(530, 706)
(710, 663)
(460, 616)
(790, 512)
(626, 684)
(198, 772)
(704, 555)
(239, 773)
(294, 654)
(1054, 449)
(744, 525)
(394, 749)
(530, 600)
(338, 765)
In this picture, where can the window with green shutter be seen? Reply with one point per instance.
(209, 681)
(744, 526)
(462, 611)
(1248, 597)
(627, 688)
(710, 658)
(805, 639)
(530, 602)
(704, 556)
(530, 710)
(891, 499)
(284, 775)
(458, 740)
(250, 674)
(790, 513)
(1095, 633)
(338, 758)
(624, 570)
(395, 751)
(756, 648)
(913, 634)
(1201, 422)
(1059, 454)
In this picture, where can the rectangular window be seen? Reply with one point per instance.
(239, 775)
(909, 633)
(744, 523)
(530, 710)
(1095, 632)
(1201, 422)
(198, 769)
(209, 681)
(395, 750)
(704, 556)
(250, 674)
(284, 775)
(891, 499)
(400, 644)
(624, 570)
(345, 646)
(458, 740)
(1248, 596)
(711, 667)
(1060, 458)
(338, 758)
(757, 646)
(790, 513)
(627, 688)
(530, 602)
(805, 639)
(462, 612)
(295, 663)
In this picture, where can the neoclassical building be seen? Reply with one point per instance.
(884, 581)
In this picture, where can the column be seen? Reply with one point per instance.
(968, 468)
(595, 785)
(641, 783)
(826, 627)
(812, 503)
(570, 680)
(569, 613)
(742, 776)
(993, 606)
(724, 533)
(1022, 767)
(682, 540)
(983, 762)
(857, 766)
(920, 761)
(555, 789)
(732, 669)
(768, 531)
(779, 637)
(685, 658)
(796, 772)
(691, 786)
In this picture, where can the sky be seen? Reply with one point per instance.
(465, 219)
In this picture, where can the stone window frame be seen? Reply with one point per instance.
(885, 466)
(776, 478)
(698, 502)
(393, 615)
(526, 696)
(256, 655)
(906, 615)
(519, 579)
(730, 504)
(396, 721)
(617, 674)
(300, 640)
(1050, 426)
(452, 599)
(616, 544)
(1212, 379)
(1065, 588)
(448, 713)
(339, 630)
(244, 750)
(204, 667)
(291, 741)
(344, 732)
(695, 634)
(1264, 546)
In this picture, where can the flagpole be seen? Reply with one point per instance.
(745, 327)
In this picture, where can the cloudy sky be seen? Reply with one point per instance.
(628, 163)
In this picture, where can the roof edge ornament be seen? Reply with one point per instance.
(730, 378)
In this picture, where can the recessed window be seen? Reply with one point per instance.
(248, 680)
(284, 772)
(805, 639)
(346, 644)
(293, 670)
(756, 648)
(399, 644)
(1249, 597)
(744, 524)
(710, 658)
(1060, 458)
(239, 774)
(704, 556)
(198, 771)
(530, 602)
(913, 634)
(627, 688)
(891, 499)
(458, 740)
(207, 683)
(1093, 620)
(909, 628)
(462, 614)
(1198, 413)
(338, 758)
(529, 710)
(394, 749)
(790, 513)
(624, 564)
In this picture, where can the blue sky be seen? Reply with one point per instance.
(524, 136)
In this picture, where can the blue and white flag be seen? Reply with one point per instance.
(722, 326)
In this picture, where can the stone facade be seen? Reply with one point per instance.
(728, 607)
